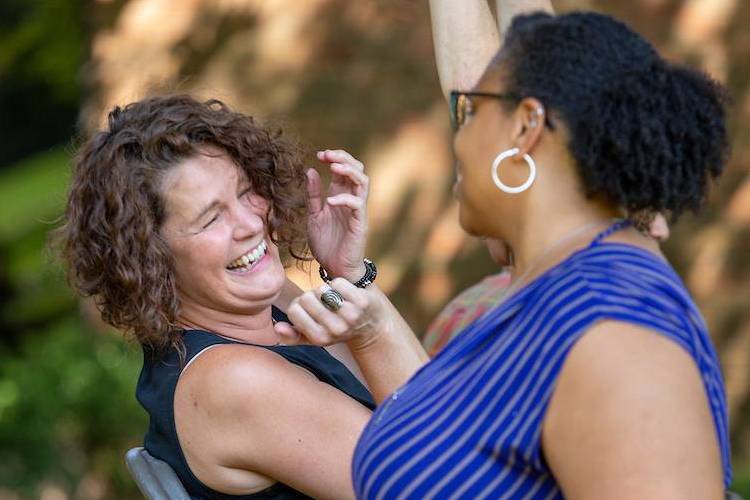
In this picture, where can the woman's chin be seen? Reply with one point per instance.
(466, 224)
(262, 283)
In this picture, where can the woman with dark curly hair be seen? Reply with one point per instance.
(179, 219)
(595, 376)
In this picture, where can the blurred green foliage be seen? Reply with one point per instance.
(67, 406)
(741, 483)
(32, 190)
(67, 409)
(43, 45)
(32, 289)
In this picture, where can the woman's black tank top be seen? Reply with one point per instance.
(156, 387)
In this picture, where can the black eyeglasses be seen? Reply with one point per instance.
(461, 104)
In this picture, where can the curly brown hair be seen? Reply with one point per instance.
(110, 239)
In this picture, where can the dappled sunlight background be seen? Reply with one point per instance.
(335, 74)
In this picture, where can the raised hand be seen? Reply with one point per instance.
(338, 222)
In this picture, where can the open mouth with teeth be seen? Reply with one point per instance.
(249, 260)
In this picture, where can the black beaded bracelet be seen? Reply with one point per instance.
(371, 272)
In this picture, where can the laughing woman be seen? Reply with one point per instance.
(178, 221)
(595, 377)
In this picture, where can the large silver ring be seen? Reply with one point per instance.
(332, 299)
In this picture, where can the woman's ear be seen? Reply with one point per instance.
(530, 117)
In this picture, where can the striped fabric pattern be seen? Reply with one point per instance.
(468, 424)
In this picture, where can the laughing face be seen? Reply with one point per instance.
(216, 229)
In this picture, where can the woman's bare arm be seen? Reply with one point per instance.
(466, 36)
(630, 418)
(508, 9)
(246, 418)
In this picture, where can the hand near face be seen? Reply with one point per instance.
(338, 222)
(358, 321)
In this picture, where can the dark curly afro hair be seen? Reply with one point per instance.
(111, 239)
(646, 134)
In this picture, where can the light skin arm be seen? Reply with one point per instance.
(508, 9)
(466, 37)
(246, 416)
(382, 344)
(630, 419)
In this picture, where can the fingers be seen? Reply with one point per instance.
(355, 203)
(351, 293)
(318, 324)
(303, 321)
(353, 174)
(345, 165)
(357, 308)
(340, 156)
(314, 191)
(332, 322)
(288, 335)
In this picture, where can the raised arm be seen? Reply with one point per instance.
(508, 9)
(465, 39)
(382, 344)
(466, 36)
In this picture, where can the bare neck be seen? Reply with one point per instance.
(255, 327)
(552, 226)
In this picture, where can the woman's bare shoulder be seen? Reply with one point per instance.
(628, 413)
(246, 408)
(237, 373)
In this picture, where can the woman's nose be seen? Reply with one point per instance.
(247, 223)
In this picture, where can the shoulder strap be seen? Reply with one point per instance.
(617, 226)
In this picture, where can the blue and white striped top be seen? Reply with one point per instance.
(468, 424)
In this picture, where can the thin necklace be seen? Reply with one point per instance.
(513, 288)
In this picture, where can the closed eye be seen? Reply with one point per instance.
(213, 219)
